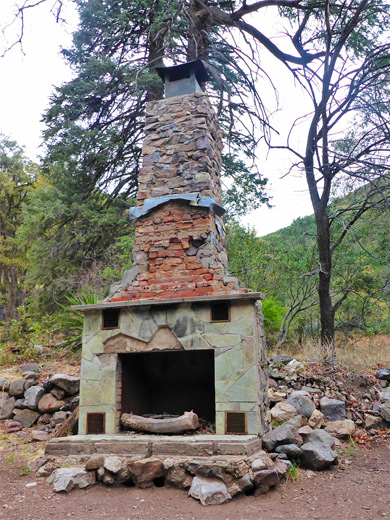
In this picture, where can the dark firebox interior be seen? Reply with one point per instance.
(169, 383)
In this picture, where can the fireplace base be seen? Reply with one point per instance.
(154, 445)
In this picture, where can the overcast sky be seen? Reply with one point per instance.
(27, 80)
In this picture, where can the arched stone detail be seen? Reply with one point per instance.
(162, 339)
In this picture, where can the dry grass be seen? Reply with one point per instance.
(367, 350)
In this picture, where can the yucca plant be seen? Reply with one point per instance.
(72, 320)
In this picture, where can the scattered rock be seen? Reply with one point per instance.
(32, 397)
(7, 405)
(280, 360)
(316, 420)
(291, 450)
(209, 491)
(40, 435)
(321, 437)
(26, 417)
(294, 365)
(302, 403)
(13, 426)
(385, 395)
(341, 429)
(333, 409)
(261, 463)
(284, 434)
(145, 471)
(16, 388)
(49, 404)
(94, 462)
(113, 464)
(65, 479)
(69, 384)
(264, 480)
(4, 384)
(29, 367)
(384, 411)
(373, 421)
(383, 373)
(282, 412)
(317, 456)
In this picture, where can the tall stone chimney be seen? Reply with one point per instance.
(179, 248)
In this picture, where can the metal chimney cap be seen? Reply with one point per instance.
(185, 70)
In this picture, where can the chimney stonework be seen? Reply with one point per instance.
(179, 248)
(178, 297)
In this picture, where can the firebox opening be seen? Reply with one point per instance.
(169, 383)
(110, 318)
(220, 311)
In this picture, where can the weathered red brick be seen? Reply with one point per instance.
(208, 276)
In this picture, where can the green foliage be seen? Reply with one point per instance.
(71, 321)
(293, 470)
(26, 336)
(274, 312)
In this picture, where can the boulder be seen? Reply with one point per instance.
(30, 379)
(40, 435)
(58, 418)
(4, 384)
(282, 412)
(280, 360)
(284, 434)
(16, 388)
(302, 403)
(69, 384)
(385, 394)
(264, 462)
(316, 420)
(341, 429)
(264, 480)
(29, 367)
(294, 365)
(333, 409)
(311, 390)
(13, 426)
(209, 491)
(291, 450)
(321, 437)
(383, 373)
(7, 405)
(317, 456)
(373, 421)
(94, 462)
(145, 471)
(65, 479)
(58, 392)
(384, 411)
(49, 404)
(245, 483)
(32, 397)
(113, 464)
(26, 417)
(304, 431)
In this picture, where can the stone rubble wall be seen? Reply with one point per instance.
(182, 149)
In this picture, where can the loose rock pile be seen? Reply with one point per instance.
(24, 402)
(332, 400)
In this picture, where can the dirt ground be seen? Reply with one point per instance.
(358, 488)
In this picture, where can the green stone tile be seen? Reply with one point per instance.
(220, 423)
(195, 342)
(90, 393)
(242, 310)
(90, 371)
(229, 366)
(94, 342)
(227, 340)
(253, 423)
(244, 389)
(242, 327)
(92, 322)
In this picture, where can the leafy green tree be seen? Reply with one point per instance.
(17, 175)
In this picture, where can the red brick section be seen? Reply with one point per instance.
(172, 267)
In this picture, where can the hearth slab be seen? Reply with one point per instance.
(153, 445)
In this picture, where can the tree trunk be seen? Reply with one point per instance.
(187, 421)
(325, 300)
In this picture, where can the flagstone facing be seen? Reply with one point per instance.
(239, 378)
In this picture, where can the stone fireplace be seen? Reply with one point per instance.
(177, 333)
